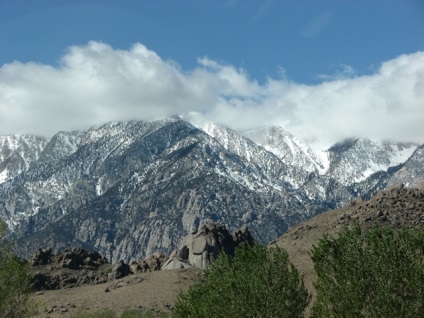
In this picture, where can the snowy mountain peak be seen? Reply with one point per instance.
(354, 160)
(62, 145)
(288, 148)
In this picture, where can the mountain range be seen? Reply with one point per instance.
(128, 189)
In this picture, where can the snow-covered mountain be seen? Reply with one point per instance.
(17, 153)
(128, 189)
(411, 173)
(353, 161)
(289, 149)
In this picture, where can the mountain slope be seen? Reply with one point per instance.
(17, 153)
(411, 172)
(129, 189)
(130, 193)
(353, 161)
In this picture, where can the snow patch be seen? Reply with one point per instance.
(402, 155)
(3, 176)
(324, 159)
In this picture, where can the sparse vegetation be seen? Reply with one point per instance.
(128, 313)
(374, 273)
(256, 282)
(136, 313)
(107, 313)
(14, 281)
(139, 313)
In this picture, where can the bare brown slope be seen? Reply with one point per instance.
(156, 291)
(396, 207)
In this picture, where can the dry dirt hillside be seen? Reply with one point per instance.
(396, 207)
(155, 291)
(158, 290)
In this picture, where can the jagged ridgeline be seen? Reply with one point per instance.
(130, 189)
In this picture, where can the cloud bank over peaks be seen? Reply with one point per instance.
(96, 83)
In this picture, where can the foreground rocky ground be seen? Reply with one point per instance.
(87, 283)
(156, 291)
(76, 280)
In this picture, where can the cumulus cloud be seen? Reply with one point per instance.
(95, 83)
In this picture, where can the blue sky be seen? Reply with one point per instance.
(242, 63)
(305, 38)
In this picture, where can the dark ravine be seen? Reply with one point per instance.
(131, 189)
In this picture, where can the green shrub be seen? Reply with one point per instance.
(107, 313)
(377, 273)
(14, 281)
(256, 282)
(139, 313)
(128, 313)
(132, 313)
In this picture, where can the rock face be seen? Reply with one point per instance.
(201, 247)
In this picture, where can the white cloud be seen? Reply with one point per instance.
(96, 83)
(342, 71)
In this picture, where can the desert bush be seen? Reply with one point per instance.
(128, 313)
(107, 313)
(133, 313)
(139, 313)
(14, 281)
(256, 282)
(373, 273)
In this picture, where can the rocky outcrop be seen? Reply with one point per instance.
(41, 257)
(150, 263)
(78, 258)
(119, 270)
(175, 263)
(72, 258)
(76, 266)
(397, 207)
(70, 268)
(198, 249)
(243, 235)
